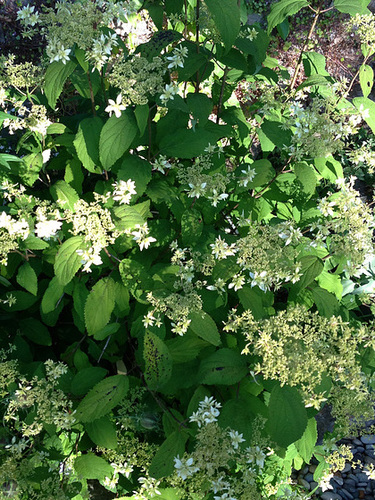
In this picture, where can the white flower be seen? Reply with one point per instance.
(57, 52)
(184, 467)
(169, 92)
(140, 236)
(236, 439)
(249, 174)
(47, 229)
(197, 191)
(221, 249)
(124, 191)
(207, 413)
(215, 197)
(255, 454)
(89, 257)
(177, 57)
(115, 107)
(325, 483)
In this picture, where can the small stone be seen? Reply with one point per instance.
(357, 442)
(347, 468)
(338, 480)
(330, 495)
(309, 477)
(305, 470)
(313, 485)
(350, 482)
(362, 477)
(352, 476)
(370, 439)
(304, 483)
(369, 446)
(312, 468)
(345, 493)
(360, 449)
(369, 460)
(362, 484)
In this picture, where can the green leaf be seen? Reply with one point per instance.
(55, 78)
(136, 169)
(52, 295)
(162, 464)
(186, 143)
(200, 106)
(205, 327)
(331, 283)
(314, 65)
(27, 278)
(352, 7)
(306, 176)
(191, 226)
(224, 367)
(276, 134)
(311, 267)
(326, 302)
(226, 16)
(86, 378)
(23, 301)
(159, 41)
(329, 168)
(67, 260)
(287, 415)
(99, 305)
(116, 137)
(141, 115)
(306, 444)
(237, 414)
(90, 466)
(366, 79)
(102, 398)
(102, 432)
(264, 172)
(86, 143)
(185, 348)
(158, 361)
(367, 108)
(34, 243)
(283, 9)
(62, 191)
(35, 331)
(128, 217)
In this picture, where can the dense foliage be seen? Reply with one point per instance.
(186, 263)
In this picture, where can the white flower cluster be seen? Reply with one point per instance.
(207, 412)
(176, 60)
(123, 191)
(170, 90)
(47, 229)
(140, 236)
(161, 164)
(115, 107)
(184, 467)
(19, 228)
(55, 369)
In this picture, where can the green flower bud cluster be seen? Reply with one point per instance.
(299, 348)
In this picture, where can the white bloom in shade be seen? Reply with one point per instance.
(115, 107)
(219, 484)
(225, 496)
(140, 236)
(249, 174)
(207, 413)
(57, 52)
(255, 454)
(169, 92)
(236, 439)
(47, 229)
(325, 482)
(184, 467)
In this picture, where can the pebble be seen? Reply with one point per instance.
(370, 439)
(330, 495)
(347, 468)
(346, 494)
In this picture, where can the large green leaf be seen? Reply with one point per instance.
(86, 378)
(55, 78)
(64, 195)
(283, 9)
(186, 143)
(102, 398)
(367, 108)
(27, 278)
(52, 296)
(136, 169)
(306, 444)
(311, 267)
(99, 305)
(352, 7)
(35, 331)
(185, 348)
(226, 16)
(366, 79)
(90, 466)
(86, 143)
(224, 366)
(162, 464)
(68, 261)
(306, 175)
(287, 415)
(158, 361)
(326, 302)
(102, 432)
(116, 137)
(205, 327)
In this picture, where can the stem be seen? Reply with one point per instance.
(299, 62)
(197, 42)
(103, 86)
(91, 94)
(149, 137)
(220, 103)
(355, 78)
